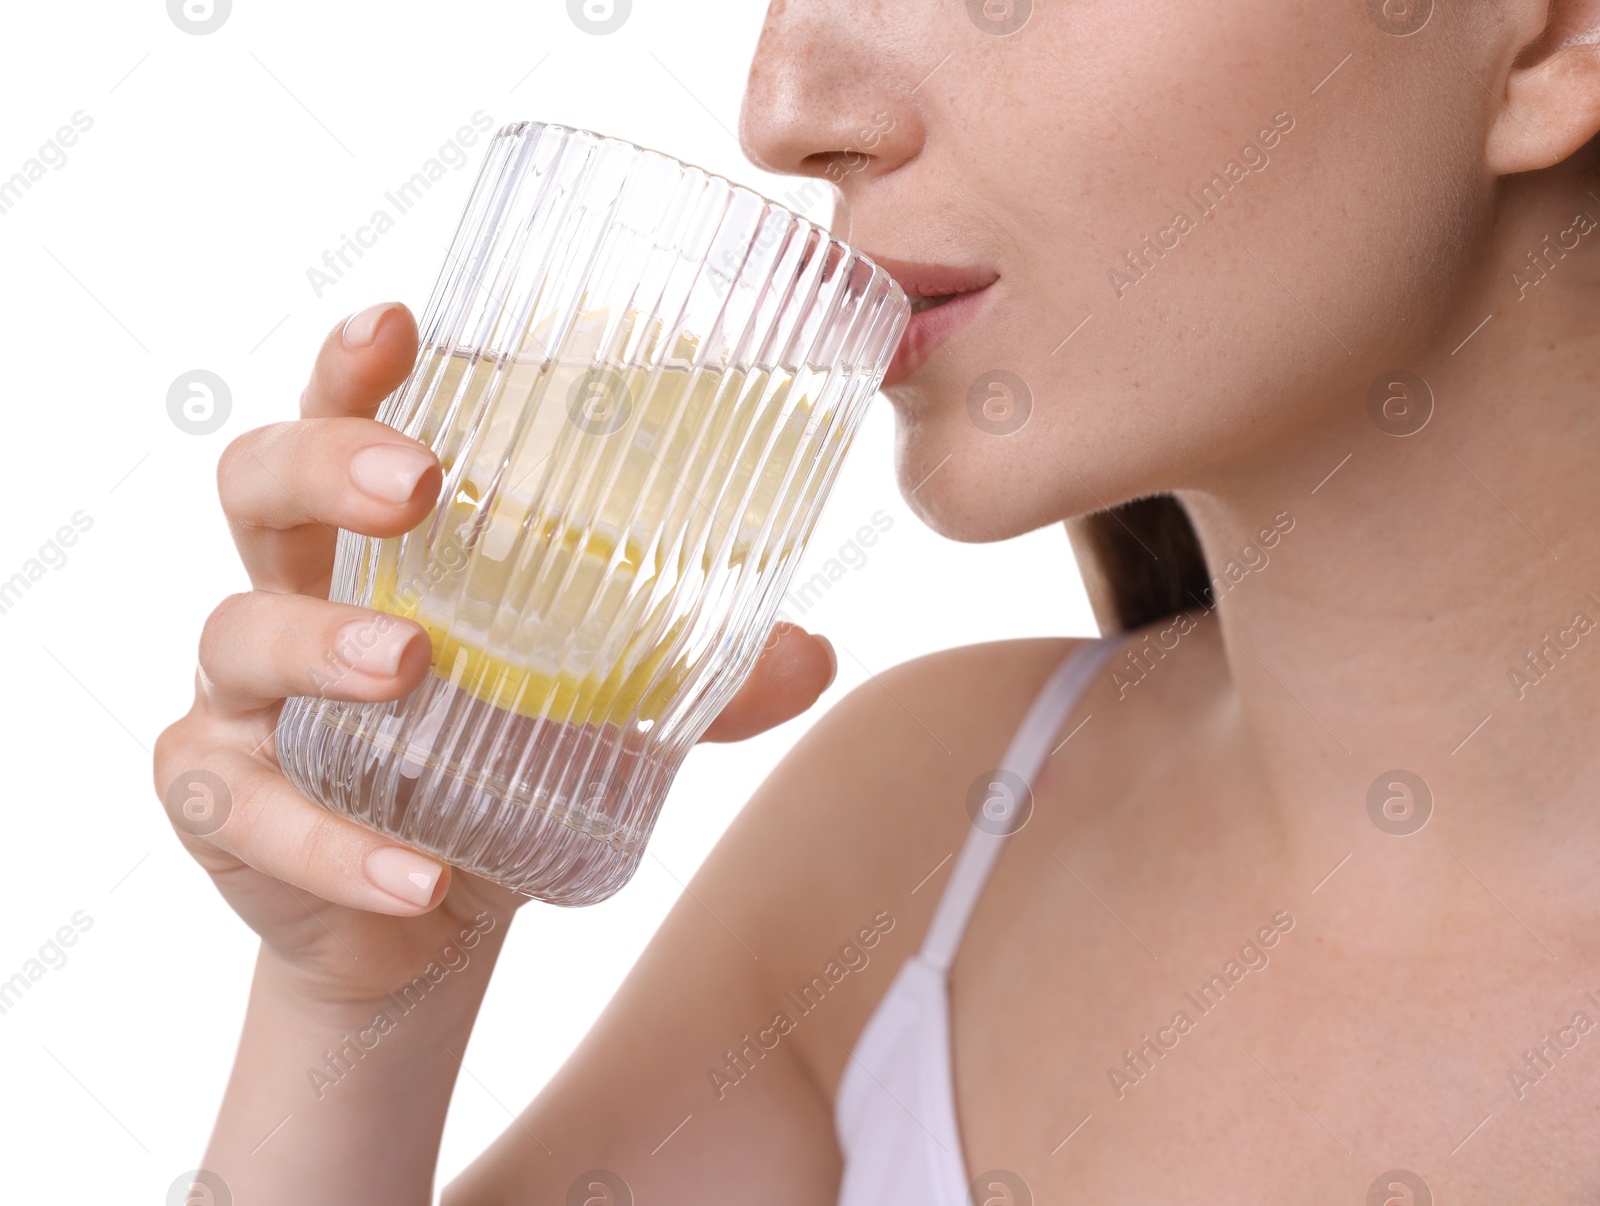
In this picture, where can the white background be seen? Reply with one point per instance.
(178, 235)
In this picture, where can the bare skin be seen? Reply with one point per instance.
(1222, 787)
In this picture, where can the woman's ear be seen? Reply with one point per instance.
(1551, 108)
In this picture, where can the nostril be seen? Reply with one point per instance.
(843, 164)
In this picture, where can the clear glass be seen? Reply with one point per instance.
(640, 379)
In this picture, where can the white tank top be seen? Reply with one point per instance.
(895, 1111)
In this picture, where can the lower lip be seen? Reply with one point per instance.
(929, 329)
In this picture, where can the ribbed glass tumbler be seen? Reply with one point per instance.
(640, 380)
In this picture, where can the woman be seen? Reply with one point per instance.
(1289, 894)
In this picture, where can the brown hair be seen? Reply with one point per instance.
(1141, 562)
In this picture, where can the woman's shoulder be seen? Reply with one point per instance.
(957, 708)
(966, 682)
(882, 775)
(878, 786)
(882, 772)
(908, 731)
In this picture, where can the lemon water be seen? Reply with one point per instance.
(592, 515)
(589, 496)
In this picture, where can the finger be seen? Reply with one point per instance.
(238, 807)
(361, 362)
(259, 647)
(288, 487)
(795, 668)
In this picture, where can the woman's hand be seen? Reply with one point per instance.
(348, 911)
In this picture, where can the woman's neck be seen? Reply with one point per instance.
(1431, 601)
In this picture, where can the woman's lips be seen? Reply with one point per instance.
(929, 329)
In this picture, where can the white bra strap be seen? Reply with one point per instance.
(1023, 757)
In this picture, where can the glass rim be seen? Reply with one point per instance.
(512, 128)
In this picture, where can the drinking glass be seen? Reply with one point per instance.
(640, 379)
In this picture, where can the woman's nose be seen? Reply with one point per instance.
(831, 92)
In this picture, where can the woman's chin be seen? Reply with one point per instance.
(979, 487)
(969, 514)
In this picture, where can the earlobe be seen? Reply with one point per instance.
(1550, 112)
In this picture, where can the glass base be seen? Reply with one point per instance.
(554, 810)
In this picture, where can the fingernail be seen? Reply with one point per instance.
(833, 659)
(360, 329)
(375, 651)
(403, 873)
(389, 472)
